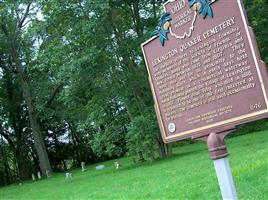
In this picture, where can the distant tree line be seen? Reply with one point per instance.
(74, 86)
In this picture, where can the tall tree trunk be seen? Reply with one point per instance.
(76, 143)
(23, 166)
(154, 10)
(15, 117)
(38, 138)
(6, 178)
(64, 165)
(128, 63)
(6, 173)
(164, 150)
(137, 19)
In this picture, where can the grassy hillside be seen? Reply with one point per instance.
(189, 174)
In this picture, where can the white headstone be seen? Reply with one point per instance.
(117, 165)
(68, 175)
(100, 167)
(33, 177)
(83, 166)
(39, 175)
(48, 174)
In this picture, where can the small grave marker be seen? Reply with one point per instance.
(68, 175)
(117, 164)
(83, 166)
(100, 167)
(33, 177)
(48, 174)
(39, 175)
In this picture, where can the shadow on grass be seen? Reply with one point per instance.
(158, 161)
(132, 166)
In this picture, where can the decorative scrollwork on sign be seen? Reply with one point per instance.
(203, 7)
(163, 28)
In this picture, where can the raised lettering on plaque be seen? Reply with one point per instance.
(205, 70)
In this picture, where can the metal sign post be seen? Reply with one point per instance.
(219, 155)
(225, 178)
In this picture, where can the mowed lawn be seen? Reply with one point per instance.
(188, 174)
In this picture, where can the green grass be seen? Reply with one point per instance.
(189, 174)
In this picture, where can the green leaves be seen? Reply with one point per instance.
(162, 31)
(141, 137)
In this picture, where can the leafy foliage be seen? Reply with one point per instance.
(259, 23)
(141, 138)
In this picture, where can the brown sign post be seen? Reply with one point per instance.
(205, 72)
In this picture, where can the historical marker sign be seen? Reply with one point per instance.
(207, 75)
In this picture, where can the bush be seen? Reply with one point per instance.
(141, 137)
(109, 143)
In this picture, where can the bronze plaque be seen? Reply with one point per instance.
(206, 73)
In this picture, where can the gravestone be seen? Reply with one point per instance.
(33, 177)
(83, 166)
(39, 175)
(68, 175)
(48, 174)
(117, 164)
(100, 167)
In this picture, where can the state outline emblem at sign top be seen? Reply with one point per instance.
(183, 18)
(184, 14)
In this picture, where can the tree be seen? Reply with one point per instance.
(14, 18)
(259, 24)
(101, 60)
(14, 123)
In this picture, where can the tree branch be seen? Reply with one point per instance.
(20, 25)
(24, 24)
(52, 97)
(53, 94)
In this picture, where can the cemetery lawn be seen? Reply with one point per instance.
(188, 174)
